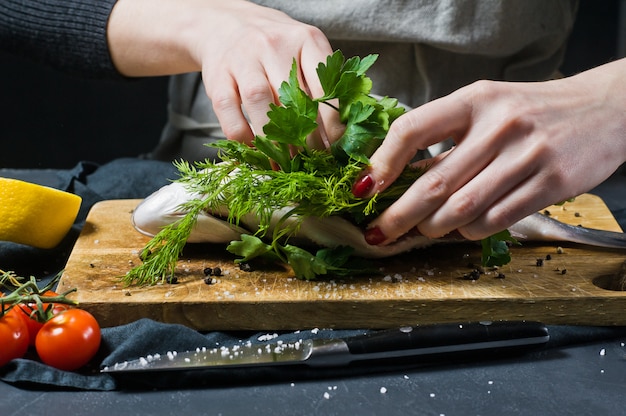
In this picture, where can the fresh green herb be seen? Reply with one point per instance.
(495, 249)
(311, 183)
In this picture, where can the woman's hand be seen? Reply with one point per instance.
(519, 148)
(243, 50)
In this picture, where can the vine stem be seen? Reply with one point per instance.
(30, 293)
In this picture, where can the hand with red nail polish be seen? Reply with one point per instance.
(374, 236)
(519, 147)
(362, 186)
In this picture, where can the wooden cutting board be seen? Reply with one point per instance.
(424, 286)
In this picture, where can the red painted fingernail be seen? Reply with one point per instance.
(373, 236)
(362, 186)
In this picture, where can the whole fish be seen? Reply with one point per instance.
(164, 207)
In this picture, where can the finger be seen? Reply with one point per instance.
(472, 199)
(525, 199)
(423, 198)
(462, 186)
(424, 164)
(458, 187)
(314, 52)
(255, 88)
(329, 131)
(416, 130)
(487, 165)
(538, 184)
(227, 107)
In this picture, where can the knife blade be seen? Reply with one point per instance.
(417, 341)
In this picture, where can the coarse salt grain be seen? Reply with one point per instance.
(267, 337)
(602, 352)
(326, 395)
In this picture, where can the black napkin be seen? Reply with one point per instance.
(144, 337)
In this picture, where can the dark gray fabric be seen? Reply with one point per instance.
(144, 337)
(68, 35)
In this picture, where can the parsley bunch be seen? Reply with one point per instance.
(311, 183)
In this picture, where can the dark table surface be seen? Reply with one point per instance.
(583, 371)
(576, 380)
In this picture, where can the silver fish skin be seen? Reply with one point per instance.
(540, 227)
(163, 208)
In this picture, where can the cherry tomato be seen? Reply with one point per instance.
(31, 322)
(13, 336)
(68, 340)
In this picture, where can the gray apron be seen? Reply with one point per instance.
(427, 49)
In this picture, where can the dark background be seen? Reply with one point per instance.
(52, 120)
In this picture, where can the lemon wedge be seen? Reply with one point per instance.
(35, 215)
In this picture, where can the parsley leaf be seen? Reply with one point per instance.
(362, 135)
(495, 249)
(343, 79)
(250, 247)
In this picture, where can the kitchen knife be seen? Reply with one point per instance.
(418, 341)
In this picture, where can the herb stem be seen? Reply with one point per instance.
(331, 105)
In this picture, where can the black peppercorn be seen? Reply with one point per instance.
(473, 275)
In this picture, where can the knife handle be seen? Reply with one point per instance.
(447, 338)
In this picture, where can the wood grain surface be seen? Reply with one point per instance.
(556, 283)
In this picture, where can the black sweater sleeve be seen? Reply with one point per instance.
(67, 35)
